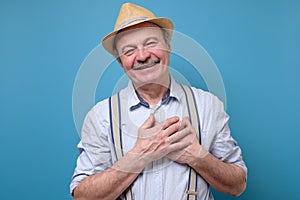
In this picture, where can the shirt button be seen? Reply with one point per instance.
(157, 172)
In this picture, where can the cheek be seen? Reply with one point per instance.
(126, 63)
(162, 54)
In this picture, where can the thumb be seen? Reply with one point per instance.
(149, 122)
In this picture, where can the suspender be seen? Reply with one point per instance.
(194, 118)
(116, 136)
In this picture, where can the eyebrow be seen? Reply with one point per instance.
(150, 38)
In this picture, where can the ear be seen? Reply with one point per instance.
(169, 47)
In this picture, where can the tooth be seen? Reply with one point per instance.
(156, 61)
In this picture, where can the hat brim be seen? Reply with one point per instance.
(108, 41)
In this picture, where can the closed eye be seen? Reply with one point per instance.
(128, 51)
(151, 42)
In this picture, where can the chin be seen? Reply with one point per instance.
(149, 80)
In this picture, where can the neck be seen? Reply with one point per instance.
(152, 93)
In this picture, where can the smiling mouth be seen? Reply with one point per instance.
(147, 65)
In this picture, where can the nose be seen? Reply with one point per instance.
(142, 55)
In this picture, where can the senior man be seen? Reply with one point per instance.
(144, 143)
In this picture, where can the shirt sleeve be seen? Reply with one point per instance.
(94, 147)
(216, 134)
(225, 147)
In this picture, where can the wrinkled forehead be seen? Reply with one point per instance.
(143, 30)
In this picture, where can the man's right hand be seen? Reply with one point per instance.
(153, 140)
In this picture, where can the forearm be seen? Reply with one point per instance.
(110, 183)
(224, 177)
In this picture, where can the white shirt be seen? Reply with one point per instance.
(163, 178)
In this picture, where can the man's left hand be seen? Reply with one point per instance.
(192, 149)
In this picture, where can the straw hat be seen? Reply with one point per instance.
(130, 15)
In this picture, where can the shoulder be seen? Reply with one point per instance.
(210, 109)
(213, 117)
(98, 115)
(101, 107)
(207, 99)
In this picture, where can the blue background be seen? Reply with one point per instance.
(255, 45)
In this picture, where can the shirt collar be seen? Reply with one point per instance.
(173, 93)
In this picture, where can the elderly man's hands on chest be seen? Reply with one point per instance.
(172, 137)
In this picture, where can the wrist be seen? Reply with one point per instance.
(137, 158)
(198, 157)
(129, 163)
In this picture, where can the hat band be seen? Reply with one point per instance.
(130, 21)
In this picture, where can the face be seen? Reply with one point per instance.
(144, 54)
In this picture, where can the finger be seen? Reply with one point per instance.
(179, 135)
(172, 129)
(178, 146)
(186, 121)
(149, 122)
(168, 122)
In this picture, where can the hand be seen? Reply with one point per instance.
(154, 141)
(187, 136)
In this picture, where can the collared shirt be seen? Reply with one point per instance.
(162, 179)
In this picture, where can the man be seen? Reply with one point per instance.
(159, 145)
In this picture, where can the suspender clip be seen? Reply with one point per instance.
(191, 192)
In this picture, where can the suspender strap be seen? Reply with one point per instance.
(115, 123)
(192, 109)
(194, 118)
(115, 118)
